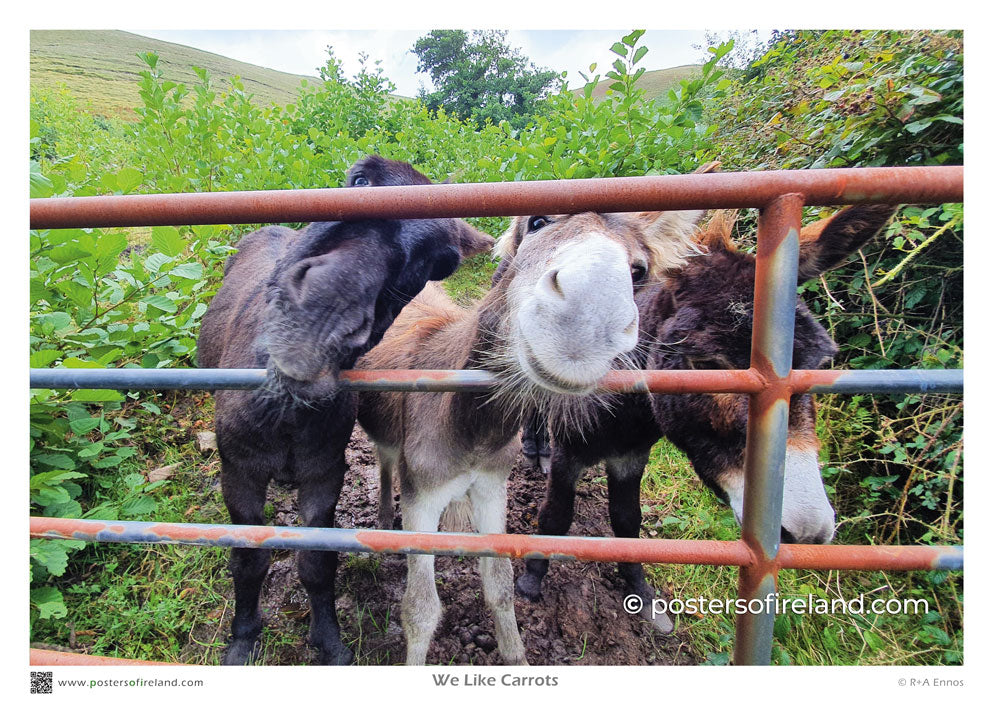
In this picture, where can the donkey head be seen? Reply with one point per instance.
(703, 320)
(568, 284)
(340, 285)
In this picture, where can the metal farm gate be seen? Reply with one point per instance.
(780, 197)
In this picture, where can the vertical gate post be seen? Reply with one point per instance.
(768, 419)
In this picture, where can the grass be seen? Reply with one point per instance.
(101, 69)
(655, 83)
(676, 505)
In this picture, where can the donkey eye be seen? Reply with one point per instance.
(361, 181)
(639, 271)
(535, 223)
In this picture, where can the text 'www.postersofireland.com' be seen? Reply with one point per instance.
(775, 604)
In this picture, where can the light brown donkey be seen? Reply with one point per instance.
(561, 316)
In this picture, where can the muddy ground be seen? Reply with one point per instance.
(579, 621)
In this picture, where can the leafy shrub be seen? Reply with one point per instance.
(859, 98)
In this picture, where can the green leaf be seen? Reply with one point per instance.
(161, 302)
(40, 185)
(44, 358)
(167, 240)
(83, 426)
(189, 271)
(128, 179)
(97, 395)
(50, 555)
(155, 261)
(68, 509)
(619, 49)
(918, 126)
(46, 496)
(48, 601)
(92, 450)
(73, 362)
(139, 507)
(68, 253)
(59, 460)
(57, 320)
(632, 38)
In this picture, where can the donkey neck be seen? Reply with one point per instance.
(478, 419)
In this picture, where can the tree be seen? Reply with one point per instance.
(481, 76)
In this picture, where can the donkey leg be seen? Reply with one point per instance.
(317, 500)
(528, 441)
(543, 441)
(554, 517)
(421, 609)
(624, 494)
(387, 468)
(245, 500)
(488, 495)
(534, 441)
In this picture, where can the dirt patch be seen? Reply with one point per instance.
(579, 621)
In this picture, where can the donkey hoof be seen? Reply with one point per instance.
(545, 461)
(659, 619)
(241, 652)
(340, 656)
(528, 586)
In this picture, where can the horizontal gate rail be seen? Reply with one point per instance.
(770, 381)
(657, 550)
(58, 658)
(922, 184)
(622, 381)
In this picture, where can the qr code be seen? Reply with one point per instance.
(41, 682)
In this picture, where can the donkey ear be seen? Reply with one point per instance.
(671, 234)
(670, 237)
(472, 241)
(827, 243)
(506, 245)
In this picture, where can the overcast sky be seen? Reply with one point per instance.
(303, 51)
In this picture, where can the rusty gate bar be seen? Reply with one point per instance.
(735, 553)
(776, 262)
(57, 658)
(627, 381)
(920, 184)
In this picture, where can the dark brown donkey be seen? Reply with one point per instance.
(304, 305)
(701, 318)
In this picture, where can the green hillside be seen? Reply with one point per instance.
(101, 69)
(655, 83)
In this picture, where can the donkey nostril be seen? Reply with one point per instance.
(296, 279)
(551, 281)
(632, 327)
